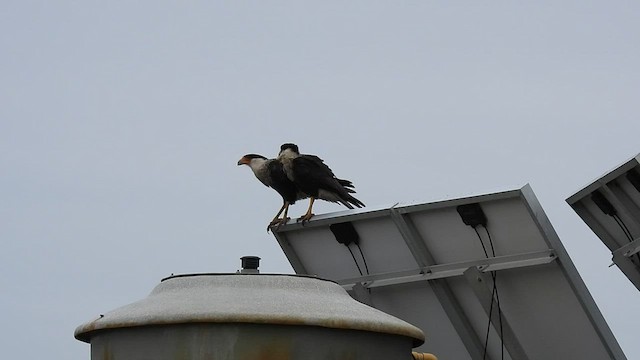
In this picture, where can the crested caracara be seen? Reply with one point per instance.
(271, 173)
(314, 178)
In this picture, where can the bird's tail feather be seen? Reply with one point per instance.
(345, 204)
(345, 183)
(350, 200)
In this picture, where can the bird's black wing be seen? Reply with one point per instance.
(312, 175)
(281, 183)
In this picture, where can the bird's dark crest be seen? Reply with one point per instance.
(292, 147)
(254, 156)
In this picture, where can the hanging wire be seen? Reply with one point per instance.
(495, 297)
(486, 337)
(495, 289)
(355, 261)
(481, 242)
(364, 260)
(624, 227)
(626, 232)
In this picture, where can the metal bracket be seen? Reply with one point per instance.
(453, 269)
(361, 294)
(622, 258)
(629, 249)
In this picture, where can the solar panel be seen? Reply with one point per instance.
(610, 206)
(434, 266)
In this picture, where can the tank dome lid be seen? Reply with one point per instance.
(256, 299)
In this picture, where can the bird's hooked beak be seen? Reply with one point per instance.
(243, 161)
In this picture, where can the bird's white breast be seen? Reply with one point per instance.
(260, 170)
(286, 158)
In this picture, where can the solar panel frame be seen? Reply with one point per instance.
(434, 283)
(624, 197)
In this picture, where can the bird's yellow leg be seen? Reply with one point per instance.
(284, 205)
(308, 215)
(279, 221)
(284, 216)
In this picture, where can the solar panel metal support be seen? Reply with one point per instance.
(458, 318)
(440, 287)
(442, 271)
(480, 283)
(630, 249)
(596, 226)
(622, 258)
(569, 269)
(290, 253)
(412, 238)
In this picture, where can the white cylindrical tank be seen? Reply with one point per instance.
(248, 316)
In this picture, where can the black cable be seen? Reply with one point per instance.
(495, 289)
(624, 227)
(366, 268)
(481, 243)
(626, 232)
(354, 260)
(486, 337)
(607, 208)
(493, 251)
(494, 292)
(495, 297)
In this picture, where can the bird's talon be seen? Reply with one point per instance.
(305, 218)
(276, 223)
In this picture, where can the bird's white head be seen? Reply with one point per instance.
(254, 161)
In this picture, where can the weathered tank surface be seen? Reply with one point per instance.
(239, 316)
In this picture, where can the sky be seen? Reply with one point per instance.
(121, 124)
